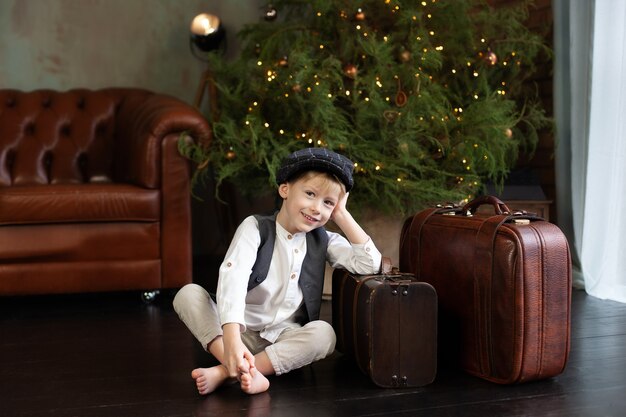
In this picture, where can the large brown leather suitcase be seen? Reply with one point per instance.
(388, 324)
(504, 287)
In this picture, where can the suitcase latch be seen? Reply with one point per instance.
(399, 382)
(400, 290)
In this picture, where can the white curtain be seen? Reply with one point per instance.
(590, 109)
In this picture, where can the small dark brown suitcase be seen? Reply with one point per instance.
(503, 282)
(388, 324)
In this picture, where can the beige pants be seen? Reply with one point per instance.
(296, 346)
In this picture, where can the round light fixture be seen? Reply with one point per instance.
(207, 32)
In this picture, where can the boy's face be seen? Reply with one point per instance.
(308, 203)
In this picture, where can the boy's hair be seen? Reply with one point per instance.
(317, 159)
(306, 175)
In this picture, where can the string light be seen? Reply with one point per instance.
(298, 86)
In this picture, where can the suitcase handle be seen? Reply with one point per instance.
(498, 206)
(519, 216)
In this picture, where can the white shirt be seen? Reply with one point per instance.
(270, 307)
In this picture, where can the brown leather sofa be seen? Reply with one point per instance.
(94, 195)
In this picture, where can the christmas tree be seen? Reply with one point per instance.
(430, 99)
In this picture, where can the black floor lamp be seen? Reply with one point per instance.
(207, 34)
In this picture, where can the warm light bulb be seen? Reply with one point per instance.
(204, 24)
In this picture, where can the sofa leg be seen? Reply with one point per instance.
(148, 297)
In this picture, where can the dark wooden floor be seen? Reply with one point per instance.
(110, 355)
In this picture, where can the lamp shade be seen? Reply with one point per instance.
(207, 32)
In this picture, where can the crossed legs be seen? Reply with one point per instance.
(252, 382)
(294, 348)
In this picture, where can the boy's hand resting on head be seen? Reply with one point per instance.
(340, 209)
(344, 220)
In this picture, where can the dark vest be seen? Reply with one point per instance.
(313, 267)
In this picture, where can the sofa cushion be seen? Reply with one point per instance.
(67, 243)
(78, 203)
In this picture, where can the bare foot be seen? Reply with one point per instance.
(208, 379)
(254, 382)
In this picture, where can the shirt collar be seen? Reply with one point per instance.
(282, 233)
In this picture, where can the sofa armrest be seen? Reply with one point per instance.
(143, 121)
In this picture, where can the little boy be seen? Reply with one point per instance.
(269, 292)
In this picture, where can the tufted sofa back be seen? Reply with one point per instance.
(51, 137)
(94, 193)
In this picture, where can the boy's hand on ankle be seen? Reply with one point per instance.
(247, 366)
(237, 357)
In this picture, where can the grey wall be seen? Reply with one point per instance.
(64, 44)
